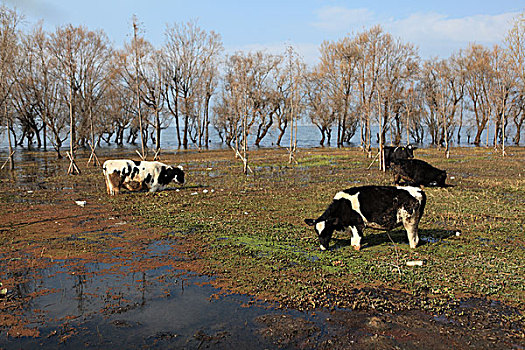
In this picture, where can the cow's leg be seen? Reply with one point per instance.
(108, 189)
(397, 179)
(410, 225)
(409, 181)
(356, 237)
(114, 181)
(410, 220)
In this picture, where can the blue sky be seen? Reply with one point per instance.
(438, 28)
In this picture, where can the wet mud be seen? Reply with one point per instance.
(94, 276)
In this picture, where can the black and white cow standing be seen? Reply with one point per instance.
(377, 207)
(392, 153)
(139, 175)
(417, 172)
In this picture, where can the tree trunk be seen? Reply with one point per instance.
(479, 132)
(185, 134)
(11, 160)
(157, 129)
(262, 131)
(282, 129)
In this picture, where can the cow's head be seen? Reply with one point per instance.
(324, 230)
(410, 150)
(179, 174)
(170, 173)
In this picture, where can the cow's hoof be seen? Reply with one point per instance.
(357, 247)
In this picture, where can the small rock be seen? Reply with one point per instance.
(415, 263)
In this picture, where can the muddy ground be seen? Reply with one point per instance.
(225, 244)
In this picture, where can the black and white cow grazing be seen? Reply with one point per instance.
(394, 153)
(139, 175)
(417, 172)
(377, 207)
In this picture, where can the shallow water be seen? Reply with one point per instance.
(94, 305)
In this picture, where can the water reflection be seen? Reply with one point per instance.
(102, 304)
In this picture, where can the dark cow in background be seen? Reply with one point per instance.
(400, 152)
(417, 172)
(377, 207)
(139, 175)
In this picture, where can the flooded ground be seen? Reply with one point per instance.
(100, 275)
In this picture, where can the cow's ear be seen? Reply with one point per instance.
(309, 222)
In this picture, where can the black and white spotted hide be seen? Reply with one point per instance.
(377, 207)
(139, 175)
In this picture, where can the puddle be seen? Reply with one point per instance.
(431, 239)
(137, 300)
(102, 304)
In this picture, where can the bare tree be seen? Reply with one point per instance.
(515, 47)
(400, 68)
(250, 97)
(28, 89)
(119, 110)
(136, 46)
(295, 70)
(502, 88)
(67, 47)
(239, 78)
(321, 114)
(268, 99)
(479, 79)
(339, 62)
(369, 70)
(153, 76)
(9, 36)
(46, 90)
(97, 55)
(191, 55)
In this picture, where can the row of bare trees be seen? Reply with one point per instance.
(72, 83)
(373, 78)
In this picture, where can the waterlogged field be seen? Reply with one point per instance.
(248, 233)
(250, 228)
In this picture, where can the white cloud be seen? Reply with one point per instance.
(37, 9)
(435, 34)
(340, 19)
(439, 35)
(480, 28)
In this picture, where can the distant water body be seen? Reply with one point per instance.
(308, 136)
